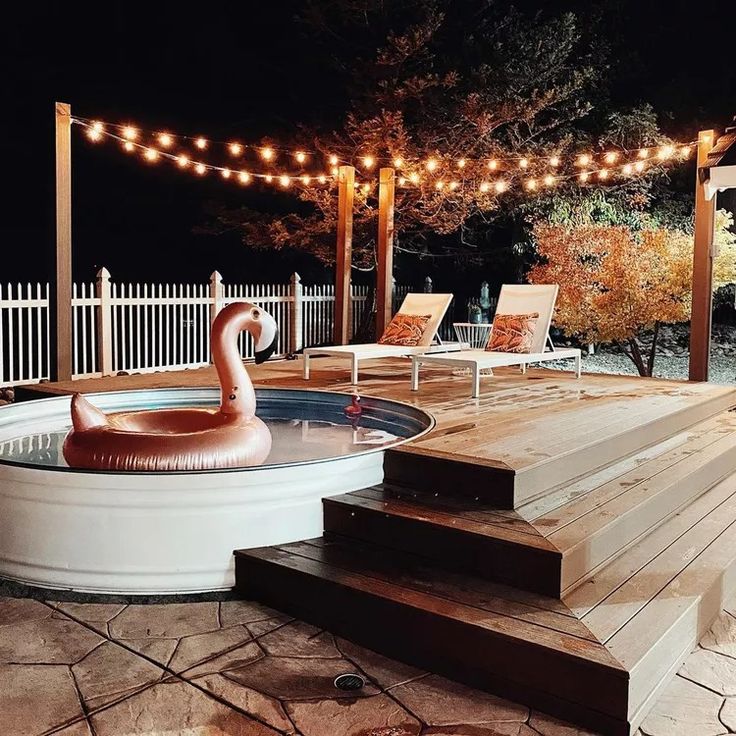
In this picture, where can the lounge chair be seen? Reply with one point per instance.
(434, 305)
(513, 300)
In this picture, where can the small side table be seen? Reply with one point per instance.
(473, 333)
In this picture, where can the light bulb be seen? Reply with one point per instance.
(627, 169)
(366, 187)
(151, 154)
(531, 185)
(182, 161)
(244, 177)
(98, 126)
(300, 156)
(284, 180)
(549, 180)
(431, 164)
(128, 146)
(267, 153)
(201, 143)
(368, 161)
(461, 163)
(665, 152)
(583, 176)
(268, 178)
(685, 151)
(500, 186)
(454, 185)
(584, 160)
(611, 157)
(524, 163)
(305, 179)
(493, 164)
(235, 149)
(333, 160)
(603, 174)
(95, 132)
(130, 133)
(554, 161)
(398, 162)
(643, 153)
(165, 140)
(321, 178)
(639, 166)
(201, 169)
(401, 180)
(484, 186)
(414, 177)
(439, 185)
(334, 170)
(226, 173)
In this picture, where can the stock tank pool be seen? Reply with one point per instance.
(174, 532)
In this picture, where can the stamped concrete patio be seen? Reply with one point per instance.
(238, 668)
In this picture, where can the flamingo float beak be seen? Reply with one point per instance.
(267, 341)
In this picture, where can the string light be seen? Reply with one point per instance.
(549, 180)
(268, 178)
(493, 164)
(500, 186)
(94, 133)
(643, 153)
(201, 169)
(665, 152)
(524, 163)
(398, 162)
(225, 173)
(531, 184)
(584, 160)
(305, 179)
(414, 177)
(151, 154)
(439, 185)
(401, 181)
(300, 156)
(333, 160)
(236, 149)
(366, 188)
(603, 174)
(431, 164)
(583, 176)
(201, 143)
(182, 161)
(454, 185)
(267, 153)
(685, 151)
(461, 163)
(284, 180)
(628, 169)
(611, 157)
(244, 177)
(484, 186)
(369, 162)
(321, 178)
(128, 146)
(554, 161)
(130, 133)
(165, 140)
(639, 166)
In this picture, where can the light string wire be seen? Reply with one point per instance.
(648, 160)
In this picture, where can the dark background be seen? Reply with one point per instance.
(244, 71)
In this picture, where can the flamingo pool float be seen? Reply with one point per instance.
(190, 438)
(354, 409)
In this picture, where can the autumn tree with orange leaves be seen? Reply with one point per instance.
(615, 283)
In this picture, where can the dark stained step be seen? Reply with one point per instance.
(515, 644)
(508, 551)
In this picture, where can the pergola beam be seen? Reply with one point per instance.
(703, 253)
(385, 255)
(344, 254)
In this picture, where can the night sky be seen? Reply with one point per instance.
(244, 71)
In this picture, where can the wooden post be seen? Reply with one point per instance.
(385, 265)
(344, 256)
(295, 314)
(702, 297)
(104, 322)
(61, 366)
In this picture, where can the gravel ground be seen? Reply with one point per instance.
(722, 368)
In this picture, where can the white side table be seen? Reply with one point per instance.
(474, 334)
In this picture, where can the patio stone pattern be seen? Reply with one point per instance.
(239, 668)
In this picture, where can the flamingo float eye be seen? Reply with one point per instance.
(255, 314)
(232, 397)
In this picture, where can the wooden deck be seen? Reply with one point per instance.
(561, 542)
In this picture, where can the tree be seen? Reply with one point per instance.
(616, 283)
(450, 80)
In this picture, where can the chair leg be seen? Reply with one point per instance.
(476, 381)
(305, 367)
(414, 374)
(578, 365)
(522, 368)
(354, 371)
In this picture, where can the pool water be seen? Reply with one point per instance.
(303, 428)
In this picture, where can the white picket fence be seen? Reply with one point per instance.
(154, 327)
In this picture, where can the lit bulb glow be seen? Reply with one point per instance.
(267, 153)
(584, 176)
(584, 160)
(182, 161)
(268, 178)
(431, 164)
(201, 143)
(235, 149)
(243, 177)
(493, 164)
(549, 180)
(461, 163)
(484, 186)
(130, 133)
(454, 185)
(300, 156)
(334, 170)
(685, 152)
(531, 185)
(366, 188)
(226, 173)
(639, 166)
(284, 180)
(95, 132)
(128, 146)
(665, 152)
(151, 154)
(524, 163)
(201, 169)
(402, 181)
(439, 185)
(165, 140)
(628, 169)
(369, 162)
(398, 162)
(321, 178)
(333, 160)
(644, 153)
(611, 157)
(554, 161)
(305, 179)
(603, 174)
(500, 187)
(414, 177)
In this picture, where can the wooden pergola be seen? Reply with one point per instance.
(716, 170)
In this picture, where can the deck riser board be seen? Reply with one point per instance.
(526, 567)
(523, 672)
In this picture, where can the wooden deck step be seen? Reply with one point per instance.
(490, 546)
(549, 545)
(455, 459)
(526, 648)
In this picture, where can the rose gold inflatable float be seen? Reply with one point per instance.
(185, 439)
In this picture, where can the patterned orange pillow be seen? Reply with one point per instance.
(512, 333)
(405, 330)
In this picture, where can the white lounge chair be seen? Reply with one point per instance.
(514, 299)
(432, 304)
